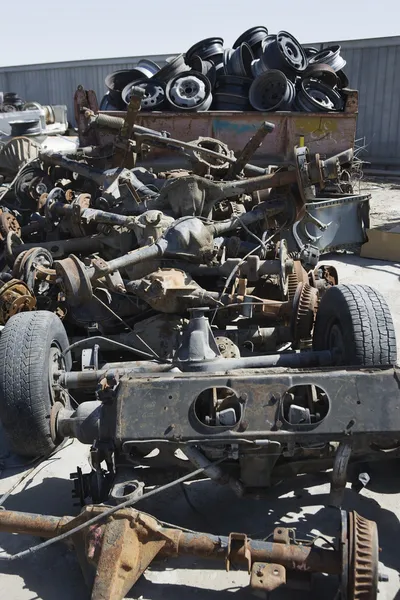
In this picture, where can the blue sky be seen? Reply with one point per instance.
(41, 31)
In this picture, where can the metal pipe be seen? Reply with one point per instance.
(63, 247)
(110, 122)
(252, 216)
(256, 267)
(179, 145)
(101, 216)
(45, 526)
(74, 166)
(295, 360)
(82, 379)
(382, 172)
(250, 148)
(131, 258)
(291, 556)
(90, 379)
(214, 472)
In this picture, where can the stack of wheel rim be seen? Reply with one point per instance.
(261, 71)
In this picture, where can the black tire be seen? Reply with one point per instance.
(27, 346)
(354, 321)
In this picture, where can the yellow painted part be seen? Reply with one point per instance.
(314, 125)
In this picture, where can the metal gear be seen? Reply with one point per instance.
(299, 275)
(305, 305)
(363, 558)
(8, 223)
(15, 297)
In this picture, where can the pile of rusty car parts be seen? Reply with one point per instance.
(261, 72)
(170, 307)
(28, 128)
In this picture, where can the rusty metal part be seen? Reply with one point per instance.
(75, 281)
(118, 550)
(171, 291)
(237, 541)
(363, 558)
(341, 127)
(227, 347)
(15, 297)
(274, 309)
(251, 147)
(211, 166)
(298, 275)
(267, 577)
(124, 155)
(8, 222)
(305, 305)
(85, 100)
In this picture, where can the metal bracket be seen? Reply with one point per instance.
(281, 535)
(266, 577)
(236, 542)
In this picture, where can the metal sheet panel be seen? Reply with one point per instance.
(373, 66)
(323, 133)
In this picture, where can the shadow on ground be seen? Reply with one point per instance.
(393, 268)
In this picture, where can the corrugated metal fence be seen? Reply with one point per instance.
(373, 67)
(55, 83)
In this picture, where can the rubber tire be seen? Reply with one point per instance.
(25, 399)
(366, 325)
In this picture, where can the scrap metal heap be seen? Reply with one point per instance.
(193, 331)
(99, 244)
(262, 71)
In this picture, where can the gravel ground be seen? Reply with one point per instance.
(54, 573)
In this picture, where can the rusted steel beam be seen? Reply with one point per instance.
(205, 545)
(294, 557)
(45, 526)
(114, 550)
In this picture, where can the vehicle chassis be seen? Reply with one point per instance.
(158, 410)
(115, 545)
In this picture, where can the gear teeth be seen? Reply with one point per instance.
(365, 559)
(305, 313)
(297, 276)
(292, 285)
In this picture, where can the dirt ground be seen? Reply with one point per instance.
(54, 572)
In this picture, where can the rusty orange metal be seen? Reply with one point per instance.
(323, 133)
(116, 550)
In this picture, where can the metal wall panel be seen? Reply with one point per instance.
(373, 66)
(55, 83)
